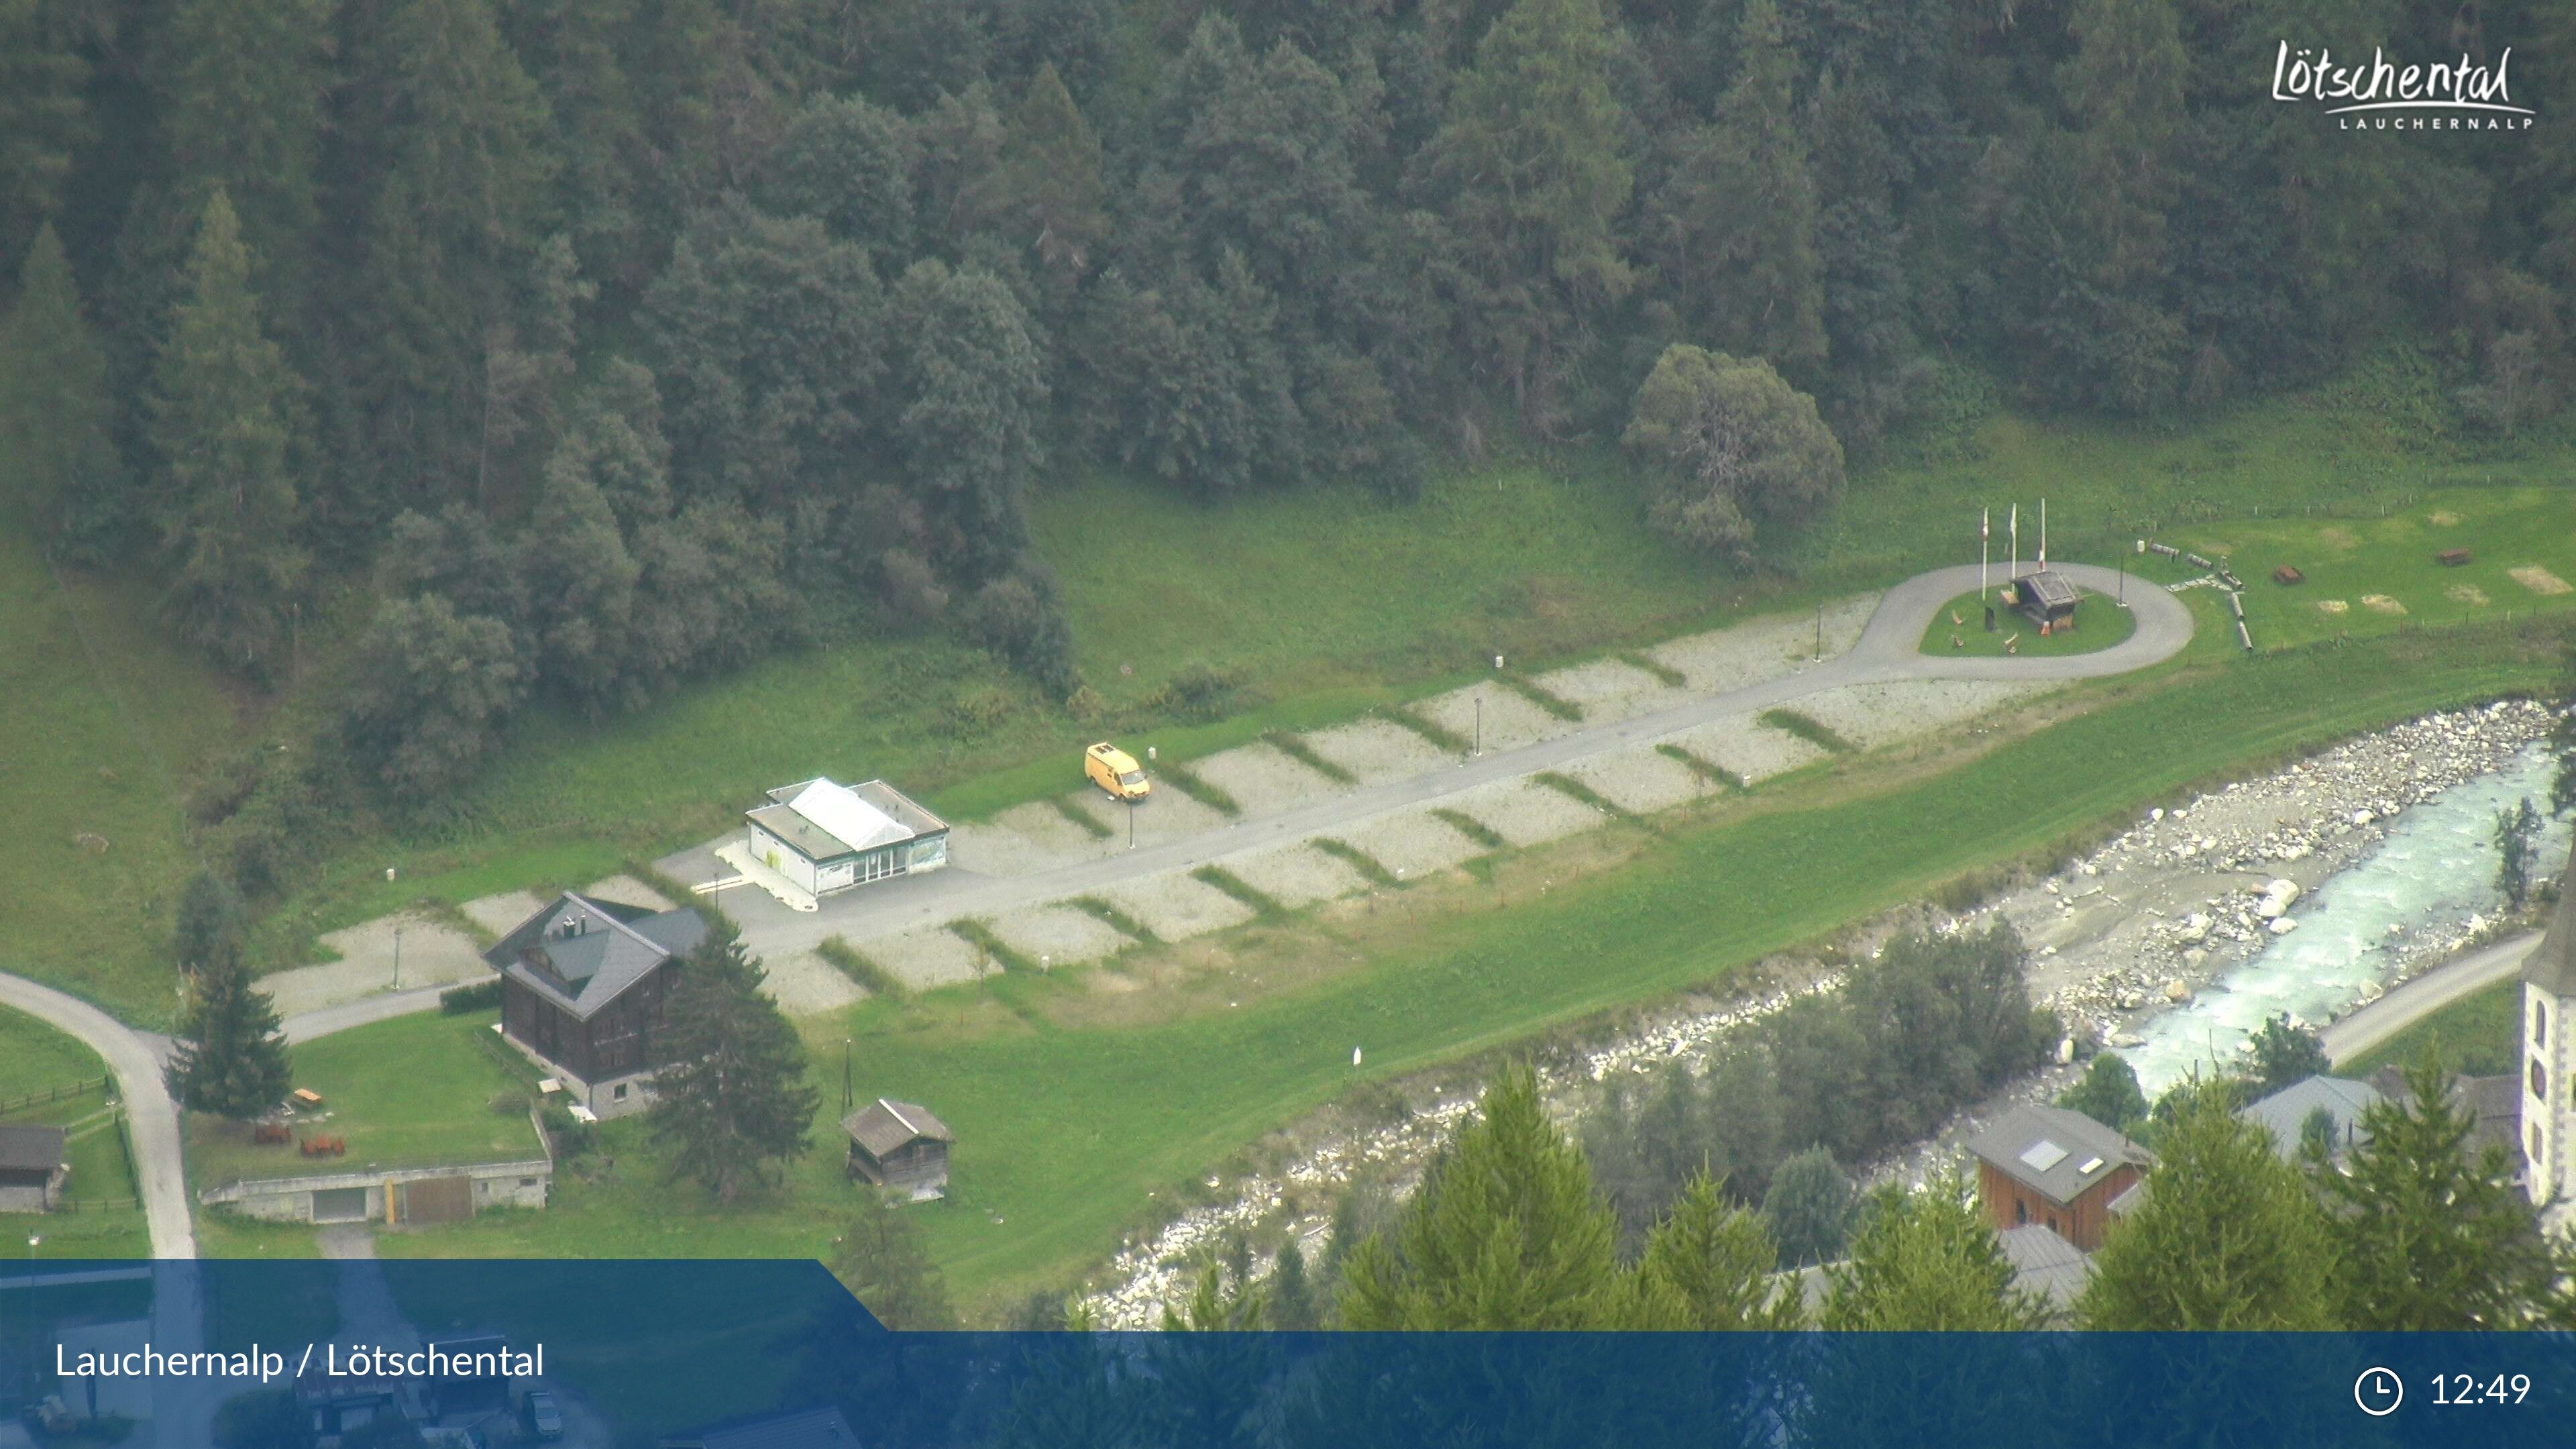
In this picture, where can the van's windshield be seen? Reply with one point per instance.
(1132, 777)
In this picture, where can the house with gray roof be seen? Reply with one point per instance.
(583, 986)
(825, 837)
(2285, 1113)
(2054, 1167)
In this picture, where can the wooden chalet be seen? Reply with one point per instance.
(901, 1147)
(583, 986)
(2057, 1168)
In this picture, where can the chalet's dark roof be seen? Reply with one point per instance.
(803, 1429)
(30, 1149)
(2056, 1152)
(2045, 1263)
(2048, 588)
(584, 954)
(2285, 1113)
(885, 1125)
(2552, 965)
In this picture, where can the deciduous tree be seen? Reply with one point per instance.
(1730, 442)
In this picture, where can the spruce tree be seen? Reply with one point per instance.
(733, 1105)
(886, 1264)
(211, 926)
(242, 88)
(1293, 1306)
(1718, 1260)
(230, 1057)
(225, 408)
(2430, 1235)
(1926, 1262)
(1506, 1232)
(2230, 1237)
(1050, 190)
(42, 115)
(57, 409)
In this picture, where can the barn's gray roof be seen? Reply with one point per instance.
(2552, 965)
(608, 953)
(2285, 1113)
(802, 1429)
(30, 1149)
(885, 1125)
(2045, 1263)
(2055, 1151)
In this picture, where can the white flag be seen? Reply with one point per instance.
(2043, 533)
(1985, 525)
(2013, 521)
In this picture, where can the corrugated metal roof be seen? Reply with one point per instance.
(2285, 1113)
(885, 1125)
(2048, 1148)
(2045, 1263)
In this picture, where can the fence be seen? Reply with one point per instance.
(96, 1204)
(58, 1094)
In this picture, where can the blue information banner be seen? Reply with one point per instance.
(737, 1355)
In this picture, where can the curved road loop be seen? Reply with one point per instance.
(1889, 649)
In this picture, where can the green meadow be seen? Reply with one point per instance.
(2475, 1036)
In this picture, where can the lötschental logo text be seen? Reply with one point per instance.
(2381, 95)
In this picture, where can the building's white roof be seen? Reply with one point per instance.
(838, 812)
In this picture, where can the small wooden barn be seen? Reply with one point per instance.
(901, 1147)
(33, 1169)
(2047, 599)
(2288, 574)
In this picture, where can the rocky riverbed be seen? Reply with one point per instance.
(2133, 928)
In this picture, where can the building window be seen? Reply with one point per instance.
(2539, 1025)
(2539, 1082)
(2535, 1142)
(619, 1093)
(527, 1182)
(2021, 1212)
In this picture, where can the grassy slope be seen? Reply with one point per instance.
(36, 1058)
(1039, 1192)
(2474, 1036)
(411, 1091)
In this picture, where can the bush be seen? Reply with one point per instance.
(1200, 692)
(1019, 618)
(980, 709)
(1086, 705)
(470, 998)
(910, 590)
(572, 1137)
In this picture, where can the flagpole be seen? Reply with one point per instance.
(2012, 521)
(1985, 526)
(2043, 535)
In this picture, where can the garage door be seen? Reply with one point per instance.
(340, 1205)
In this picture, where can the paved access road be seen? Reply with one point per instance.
(1889, 649)
(2426, 994)
(148, 1108)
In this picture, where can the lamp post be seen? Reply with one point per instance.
(33, 1242)
(1820, 633)
(846, 1100)
(397, 957)
(1131, 822)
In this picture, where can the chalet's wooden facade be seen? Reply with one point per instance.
(900, 1147)
(2057, 1169)
(585, 986)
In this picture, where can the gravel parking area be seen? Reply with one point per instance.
(498, 914)
(1059, 935)
(804, 984)
(434, 953)
(1375, 749)
(1022, 840)
(1262, 779)
(1870, 715)
(624, 890)
(929, 957)
(1641, 780)
(1610, 690)
(1166, 815)
(1413, 844)
(1175, 907)
(1510, 721)
(1294, 875)
(1754, 751)
(1525, 812)
(1723, 659)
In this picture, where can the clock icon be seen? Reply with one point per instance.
(2378, 1391)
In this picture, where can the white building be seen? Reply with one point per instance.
(2548, 996)
(826, 837)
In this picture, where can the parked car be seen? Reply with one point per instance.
(545, 1416)
(1114, 770)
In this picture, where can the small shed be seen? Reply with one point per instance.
(2047, 599)
(32, 1169)
(2286, 575)
(900, 1146)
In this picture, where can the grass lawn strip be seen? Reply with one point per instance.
(1116, 919)
(1665, 674)
(1531, 690)
(1575, 789)
(1180, 777)
(1808, 728)
(2475, 1036)
(1474, 829)
(1261, 906)
(855, 965)
(1358, 860)
(1082, 819)
(1706, 769)
(1294, 746)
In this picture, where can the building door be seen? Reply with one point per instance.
(340, 1205)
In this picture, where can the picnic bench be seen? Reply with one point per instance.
(324, 1146)
(306, 1096)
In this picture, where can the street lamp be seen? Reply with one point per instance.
(33, 1242)
(397, 958)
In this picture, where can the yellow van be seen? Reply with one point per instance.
(1114, 770)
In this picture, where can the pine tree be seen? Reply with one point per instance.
(885, 1263)
(1534, 168)
(1719, 1261)
(2230, 1236)
(1926, 1262)
(734, 1103)
(57, 409)
(230, 1059)
(1809, 1208)
(242, 86)
(42, 116)
(1506, 1232)
(1737, 219)
(2428, 1234)
(1293, 1307)
(225, 409)
(1050, 194)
